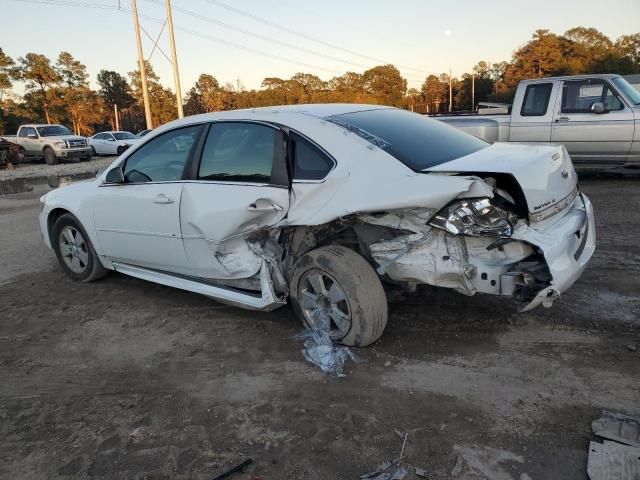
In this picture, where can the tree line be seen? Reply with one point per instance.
(59, 91)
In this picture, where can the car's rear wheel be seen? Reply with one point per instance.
(339, 282)
(50, 156)
(75, 251)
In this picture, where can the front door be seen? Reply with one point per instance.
(239, 187)
(589, 136)
(30, 141)
(138, 221)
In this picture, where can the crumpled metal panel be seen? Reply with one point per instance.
(613, 461)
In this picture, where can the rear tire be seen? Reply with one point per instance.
(50, 156)
(75, 251)
(347, 278)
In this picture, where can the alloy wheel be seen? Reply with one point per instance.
(73, 249)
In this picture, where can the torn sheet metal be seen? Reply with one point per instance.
(619, 427)
(320, 350)
(613, 461)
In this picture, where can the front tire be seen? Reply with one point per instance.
(340, 281)
(120, 150)
(93, 151)
(50, 156)
(74, 250)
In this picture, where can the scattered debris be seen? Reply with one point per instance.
(139, 434)
(616, 426)
(237, 468)
(632, 347)
(387, 363)
(618, 459)
(613, 461)
(320, 350)
(421, 472)
(391, 470)
(458, 467)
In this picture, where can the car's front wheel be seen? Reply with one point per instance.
(340, 285)
(50, 156)
(74, 250)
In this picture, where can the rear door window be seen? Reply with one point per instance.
(417, 141)
(241, 152)
(536, 100)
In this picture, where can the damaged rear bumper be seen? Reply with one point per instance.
(567, 246)
(535, 266)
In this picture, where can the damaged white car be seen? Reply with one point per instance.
(319, 205)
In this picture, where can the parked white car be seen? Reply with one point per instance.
(320, 204)
(112, 143)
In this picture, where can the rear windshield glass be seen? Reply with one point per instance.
(417, 141)
(124, 136)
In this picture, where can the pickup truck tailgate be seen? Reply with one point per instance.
(545, 172)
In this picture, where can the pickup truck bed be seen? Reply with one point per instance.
(596, 117)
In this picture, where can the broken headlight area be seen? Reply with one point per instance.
(476, 217)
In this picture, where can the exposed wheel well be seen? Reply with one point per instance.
(54, 215)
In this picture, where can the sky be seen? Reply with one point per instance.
(418, 36)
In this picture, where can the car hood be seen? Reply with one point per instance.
(65, 137)
(545, 172)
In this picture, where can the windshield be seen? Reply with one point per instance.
(53, 131)
(124, 136)
(631, 93)
(417, 141)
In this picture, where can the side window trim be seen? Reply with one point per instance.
(293, 136)
(530, 88)
(606, 86)
(123, 164)
(278, 172)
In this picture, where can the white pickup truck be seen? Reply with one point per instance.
(51, 142)
(596, 117)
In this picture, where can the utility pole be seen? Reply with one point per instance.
(450, 91)
(143, 70)
(473, 91)
(174, 59)
(115, 111)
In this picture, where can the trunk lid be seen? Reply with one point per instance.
(545, 172)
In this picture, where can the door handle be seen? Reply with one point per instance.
(264, 205)
(562, 119)
(163, 199)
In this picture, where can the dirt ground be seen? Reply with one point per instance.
(126, 379)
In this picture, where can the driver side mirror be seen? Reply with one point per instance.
(598, 107)
(115, 175)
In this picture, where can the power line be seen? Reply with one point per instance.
(70, 3)
(305, 36)
(267, 38)
(257, 35)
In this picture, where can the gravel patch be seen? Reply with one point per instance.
(36, 170)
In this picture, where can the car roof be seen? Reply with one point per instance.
(36, 125)
(573, 77)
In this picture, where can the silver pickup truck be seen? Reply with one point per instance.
(596, 117)
(51, 142)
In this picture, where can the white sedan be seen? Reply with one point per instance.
(319, 205)
(112, 143)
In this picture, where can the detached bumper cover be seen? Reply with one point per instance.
(567, 245)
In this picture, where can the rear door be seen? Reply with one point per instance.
(32, 146)
(588, 136)
(239, 186)
(532, 121)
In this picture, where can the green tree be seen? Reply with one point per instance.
(6, 73)
(114, 90)
(72, 73)
(162, 100)
(39, 76)
(385, 85)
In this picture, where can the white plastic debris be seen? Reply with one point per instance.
(320, 350)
